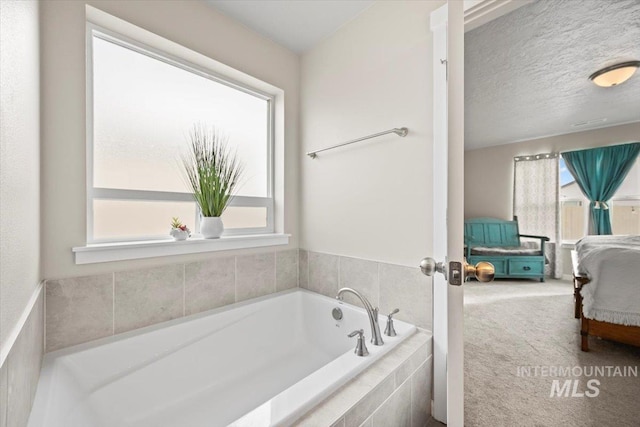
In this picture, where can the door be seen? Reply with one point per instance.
(448, 25)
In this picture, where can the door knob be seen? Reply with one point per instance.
(483, 271)
(429, 267)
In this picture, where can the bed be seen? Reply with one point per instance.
(606, 271)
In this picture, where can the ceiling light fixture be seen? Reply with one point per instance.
(615, 74)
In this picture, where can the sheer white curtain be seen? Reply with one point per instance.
(536, 203)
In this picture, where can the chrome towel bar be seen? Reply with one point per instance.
(398, 131)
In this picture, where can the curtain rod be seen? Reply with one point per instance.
(536, 157)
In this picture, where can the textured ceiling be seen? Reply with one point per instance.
(298, 25)
(526, 73)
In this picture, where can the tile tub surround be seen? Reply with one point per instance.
(395, 391)
(387, 286)
(83, 309)
(21, 370)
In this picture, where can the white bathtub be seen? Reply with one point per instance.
(260, 363)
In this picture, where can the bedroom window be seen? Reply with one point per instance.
(574, 207)
(142, 104)
(625, 217)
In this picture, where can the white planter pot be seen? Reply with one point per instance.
(178, 234)
(211, 227)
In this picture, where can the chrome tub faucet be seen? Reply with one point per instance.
(376, 336)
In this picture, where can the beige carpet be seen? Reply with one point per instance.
(509, 324)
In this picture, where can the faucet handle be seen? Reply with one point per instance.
(361, 348)
(390, 330)
(356, 332)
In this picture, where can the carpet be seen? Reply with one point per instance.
(512, 325)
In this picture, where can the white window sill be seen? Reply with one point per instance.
(105, 252)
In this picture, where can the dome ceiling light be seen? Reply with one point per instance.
(615, 74)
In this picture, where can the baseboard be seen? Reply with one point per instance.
(13, 335)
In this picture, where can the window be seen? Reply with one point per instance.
(624, 207)
(625, 217)
(142, 105)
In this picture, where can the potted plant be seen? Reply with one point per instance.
(213, 172)
(179, 231)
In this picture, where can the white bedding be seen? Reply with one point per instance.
(612, 264)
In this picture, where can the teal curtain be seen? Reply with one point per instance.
(599, 172)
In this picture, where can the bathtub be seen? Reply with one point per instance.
(263, 362)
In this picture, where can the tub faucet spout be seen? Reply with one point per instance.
(376, 336)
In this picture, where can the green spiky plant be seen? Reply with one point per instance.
(175, 222)
(213, 171)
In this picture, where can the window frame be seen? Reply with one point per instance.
(584, 203)
(99, 193)
(585, 206)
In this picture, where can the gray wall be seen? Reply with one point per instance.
(21, 307)
(370, 200)
(488, 172)
(20, 162)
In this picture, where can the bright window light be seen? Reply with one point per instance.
(144, 104)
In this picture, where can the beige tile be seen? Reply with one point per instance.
(3, 395)
(209, 284)
(348, 397)
(315, 418)
(361, 275)
(255, 275)
(286, 269)
(303, 268)
(421, 395)
(23, 368)
(18, 385)
(145, 297)
(38, 334)
(391, 362)
(339, 423)
(412, 363)
(323, 273)
(397, 410)
(368, 404)
(409, 290)
(78, 310)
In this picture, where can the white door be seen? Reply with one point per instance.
(448, 25)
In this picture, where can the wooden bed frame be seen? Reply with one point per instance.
(595, 328)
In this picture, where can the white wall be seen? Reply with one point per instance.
(189, 23)
(489, 171)
(370, 200)
(19, 161)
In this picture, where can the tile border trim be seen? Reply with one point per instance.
(22, 320)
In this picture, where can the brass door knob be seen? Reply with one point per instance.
(483, 271)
